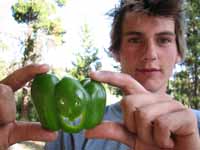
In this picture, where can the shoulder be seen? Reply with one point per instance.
(197, 114)
(113, 112)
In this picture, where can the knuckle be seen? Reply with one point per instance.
(129, 100)
(189, 124)
(191, 116)
(142, 115)
(124, 103)
(160, 123)
(178, 104)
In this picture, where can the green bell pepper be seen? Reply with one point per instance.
(68, 104)
(43, 96)
(96, 103)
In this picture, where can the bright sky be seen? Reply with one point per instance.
(74, 15)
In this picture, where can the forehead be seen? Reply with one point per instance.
(141, 22)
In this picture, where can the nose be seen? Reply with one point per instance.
(150, 51)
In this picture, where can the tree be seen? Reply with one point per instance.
(36, 15)
(186, 84)
(87, 58)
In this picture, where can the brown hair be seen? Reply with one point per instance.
(162, 8)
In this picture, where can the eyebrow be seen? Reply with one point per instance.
(133, 33)
(137, 33)
(166, 33)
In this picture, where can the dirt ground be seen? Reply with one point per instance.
(28, 145)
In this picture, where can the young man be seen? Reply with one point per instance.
(148, 40)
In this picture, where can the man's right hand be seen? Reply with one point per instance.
(12, 131)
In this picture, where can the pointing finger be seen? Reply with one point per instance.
(121, 80)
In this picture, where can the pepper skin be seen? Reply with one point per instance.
(43, 96)
(96, 103)
(71, 100)
(75, 105)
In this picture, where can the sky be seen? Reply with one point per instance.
(74, 15)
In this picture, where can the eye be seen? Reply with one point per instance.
(135, 40)
(164, 41)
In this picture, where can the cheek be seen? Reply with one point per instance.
(169, 60)
(128, 61)
(128, 53)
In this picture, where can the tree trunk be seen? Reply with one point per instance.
(29, 47)
(25, 100)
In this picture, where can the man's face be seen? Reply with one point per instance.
(148, 50)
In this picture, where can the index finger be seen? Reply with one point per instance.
(124, 81)
(21, 76)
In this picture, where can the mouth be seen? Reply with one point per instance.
(148, 70)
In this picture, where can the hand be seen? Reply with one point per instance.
(152, 121)
(12, 131)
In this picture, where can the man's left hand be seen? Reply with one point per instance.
(152, 121)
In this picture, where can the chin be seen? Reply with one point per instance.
(152, 89)
(152, 86)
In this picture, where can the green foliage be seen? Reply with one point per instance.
(55, 28)
(32, 10)
(87, 59)
(37, 15)
(186, 84)
(112, 89)
(84, 63)
(29, 54)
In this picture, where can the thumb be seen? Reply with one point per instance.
(23, 131)
(113, 131)
(7, 105)
(21, 76)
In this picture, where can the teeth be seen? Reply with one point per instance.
(72, 122)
